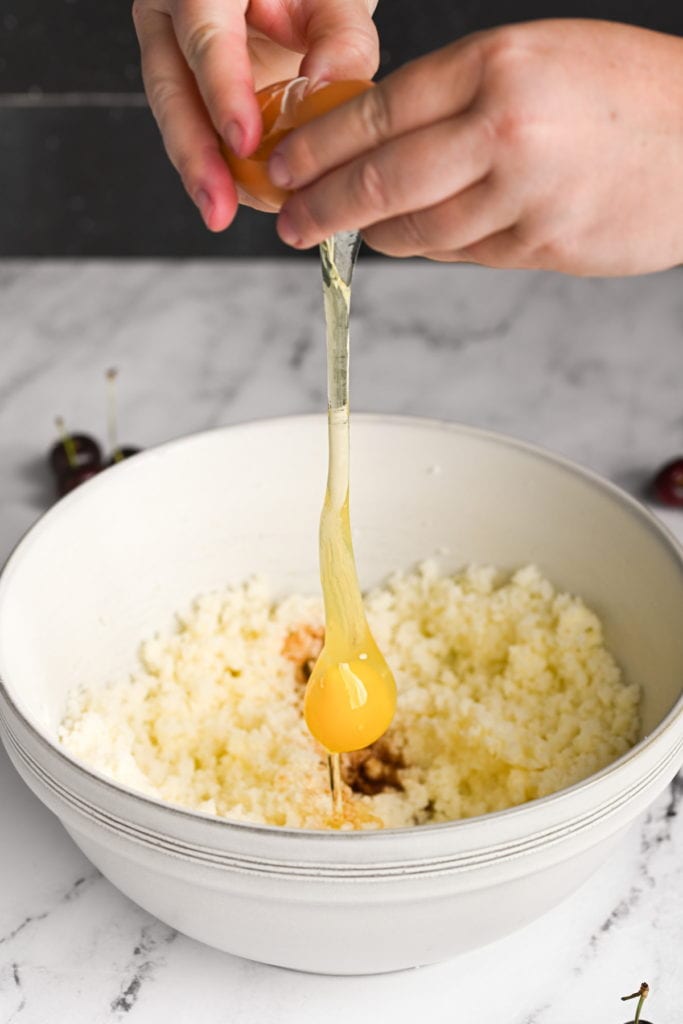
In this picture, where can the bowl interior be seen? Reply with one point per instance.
(111, 564)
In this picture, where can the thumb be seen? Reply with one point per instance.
(341, 42)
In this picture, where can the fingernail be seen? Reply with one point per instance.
(287, 231)
(279, 172)
(317, 83)
(234, 136)
(205, 205)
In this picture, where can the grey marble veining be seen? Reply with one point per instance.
(593, 369)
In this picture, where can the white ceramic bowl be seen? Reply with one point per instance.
(111, 563)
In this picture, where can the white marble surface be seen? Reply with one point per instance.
(593, 369)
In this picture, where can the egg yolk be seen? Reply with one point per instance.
(284, 106)
(349, 704)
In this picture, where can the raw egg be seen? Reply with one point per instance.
(350, 703)
(351, 694)
(284, 106)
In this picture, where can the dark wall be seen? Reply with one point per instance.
(82, 170)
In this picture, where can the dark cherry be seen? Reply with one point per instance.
(85, 453)
(126, 451)
(667, 485)
(74, 477)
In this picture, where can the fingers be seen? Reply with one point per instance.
(188, 134)
(212, 35)
(430, 89)
(341, 41)
(412, 172)
(449, 227)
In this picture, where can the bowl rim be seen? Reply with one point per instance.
(648, 520)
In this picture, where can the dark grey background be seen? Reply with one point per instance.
(82, 170)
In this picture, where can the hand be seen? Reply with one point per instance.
(203, 59)
(554, 144)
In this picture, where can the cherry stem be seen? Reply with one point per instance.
(68, 442)
(111, 376)
(641, 995)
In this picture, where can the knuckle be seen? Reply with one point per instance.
(554, 252)
(509, 109)
(375, 115)
(525, 238)
(140, 13)
(197, 42)
(514, 128)
(161, 91)
(413, 230)
(361, 49)
(139, 9)
(506, 49)
(487, 130)
(535, 247)
(369, 187)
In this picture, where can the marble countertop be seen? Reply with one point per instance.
(592, 369)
